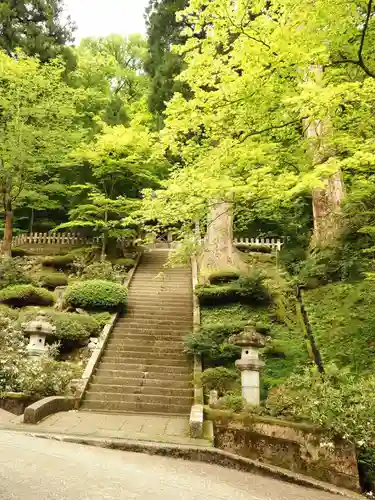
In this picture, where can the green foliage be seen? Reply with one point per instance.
(38, 128)
(342, 318)
(25, 295)
(211, 341)
(232, 401)
(72, 326)
(220, 379)
(96, 294)
(69, 326)
(163, 65)
(325, 265)
(223, 276)
(45, 377)
(102, 318)
(60, 262)
(12, 272)
(337, 402)
(247, 289)
(52, 280)
(39, 28)
(99, 270)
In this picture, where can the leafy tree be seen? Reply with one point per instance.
(110, 69)
(242, 133)
(34, 26)
(119, 164)
(38, 127)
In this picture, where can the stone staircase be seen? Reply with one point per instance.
(144, 368)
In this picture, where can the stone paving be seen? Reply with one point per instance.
(157, 428)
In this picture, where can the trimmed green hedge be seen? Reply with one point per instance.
(51, 280)
(60, 262)
(247, 289)
(253, 247)
(223, 276)
(73, 326)
(97, 295)
(26, 295)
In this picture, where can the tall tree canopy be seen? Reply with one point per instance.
(35, 26)
(163, 65)
(111, 70)
(38, 127)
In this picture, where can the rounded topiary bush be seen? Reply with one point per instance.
(223, 276)
(61, 262)
(99, 270)
(52, 280)
(72, 326)
(26, 295)
(96, 295)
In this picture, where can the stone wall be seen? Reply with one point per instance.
(299, 448)
(16, 402)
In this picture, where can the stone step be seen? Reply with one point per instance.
(162, 323)
(171, 384)
(150, 329)
(115, 357)
(157, 348)
(138, 390)
(160, 305)
(150, 338)
(164, 311)
(145, 368)
(151, 353)
(138, 407)
(159, 316)
(140, 398)
(117, 372)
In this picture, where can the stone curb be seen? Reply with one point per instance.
(200, 454)
(45, 407)
(196, 421)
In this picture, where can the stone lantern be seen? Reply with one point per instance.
(38, 330)
(250, 342)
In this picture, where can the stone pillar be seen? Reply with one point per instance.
(250, 342)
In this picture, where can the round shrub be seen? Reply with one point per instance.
(12, 273)
(73, 326)
(60, 262)
(220, 379)
(52, 280)
(99, 270)
(26, 295)
(223, 276)
(97, 294)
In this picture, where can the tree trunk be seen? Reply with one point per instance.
(328, 222)
(8, 231)
(31, 227)
(219, 251)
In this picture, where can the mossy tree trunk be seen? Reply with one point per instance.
(326, 200)
(8, 229)
(219, 251)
